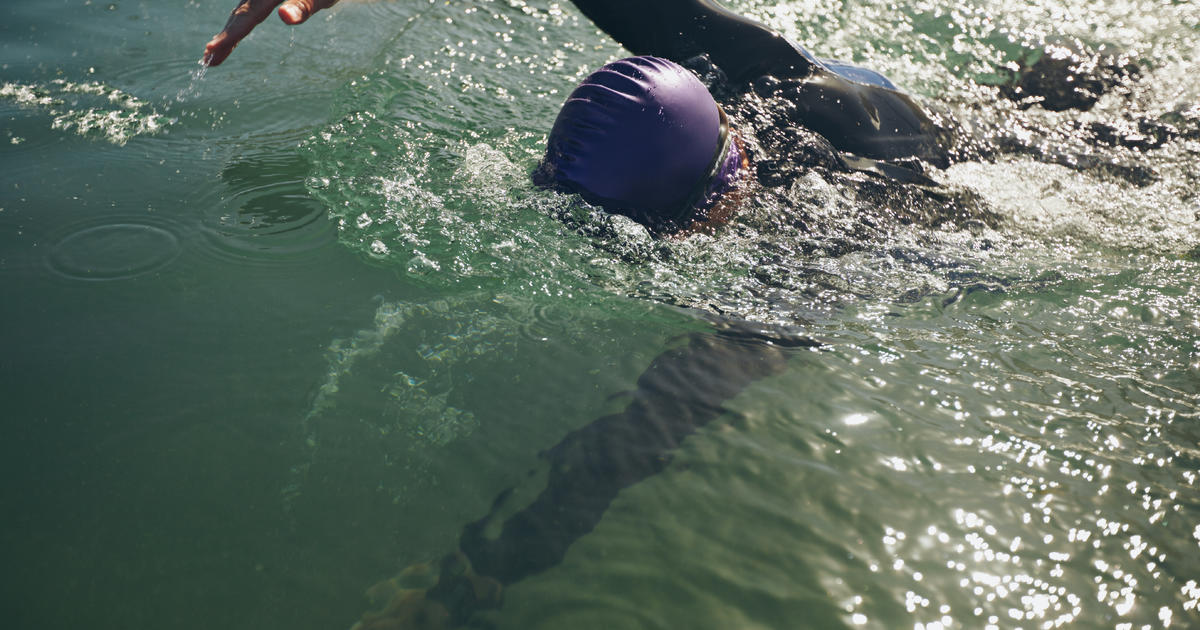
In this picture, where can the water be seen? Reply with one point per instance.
(277, 331)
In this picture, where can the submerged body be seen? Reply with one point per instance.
(681, 392)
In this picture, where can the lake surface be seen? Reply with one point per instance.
(275, 331)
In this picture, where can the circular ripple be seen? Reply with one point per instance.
(113, 252)
(541, 322)
(276, 222)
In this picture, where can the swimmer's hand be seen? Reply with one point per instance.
(251, 13)
(432, 596)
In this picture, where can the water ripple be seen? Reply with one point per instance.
(268, 217)
(117, 249)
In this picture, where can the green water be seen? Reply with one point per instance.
(274, 333)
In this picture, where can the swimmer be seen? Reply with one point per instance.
(651, 150)
(645, 137)
(684, 169)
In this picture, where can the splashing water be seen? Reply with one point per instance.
(415, 349)
(193, 86)
(89, 109)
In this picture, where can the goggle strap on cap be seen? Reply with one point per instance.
(702, 189)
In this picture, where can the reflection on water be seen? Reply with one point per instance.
(1061, 468)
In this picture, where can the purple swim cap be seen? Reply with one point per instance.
(641, 137)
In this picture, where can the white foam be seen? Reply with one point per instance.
(89, 109)
(1057, 205)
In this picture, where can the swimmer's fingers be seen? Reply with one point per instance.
(249, 14)
(297, 11)
(243, 19)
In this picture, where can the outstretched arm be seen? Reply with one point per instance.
(681, 29)
(674, 29)
(682, 390)
(251, 13)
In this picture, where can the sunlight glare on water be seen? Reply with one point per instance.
(1017, 436)
(279, 329)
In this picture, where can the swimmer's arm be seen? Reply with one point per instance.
(683, 390)
(674, 29)
(681, 29)
(249, 14)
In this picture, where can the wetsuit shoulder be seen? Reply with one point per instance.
(866, 119)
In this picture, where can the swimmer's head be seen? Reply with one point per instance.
(644, 138)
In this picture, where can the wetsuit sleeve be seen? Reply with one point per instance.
(681, 29)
